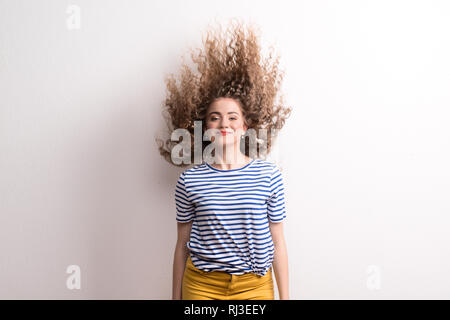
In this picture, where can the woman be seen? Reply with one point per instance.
(229, 213)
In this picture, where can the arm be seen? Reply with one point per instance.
(180, 257)
(280, 260)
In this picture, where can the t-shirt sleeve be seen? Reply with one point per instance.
(185, 209)
(276, 207)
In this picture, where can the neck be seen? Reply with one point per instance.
(230, 159)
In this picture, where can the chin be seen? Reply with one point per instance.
(229, 142)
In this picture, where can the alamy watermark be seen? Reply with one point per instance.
(73, 21)
(74, 280)
(182, 152)
(373, 281)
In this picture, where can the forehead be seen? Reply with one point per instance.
(224, 106)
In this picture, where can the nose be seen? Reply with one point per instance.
(224, 124)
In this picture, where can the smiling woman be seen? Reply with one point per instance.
(229, 213)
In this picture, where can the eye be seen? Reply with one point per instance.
(233, 118)
(214, 118)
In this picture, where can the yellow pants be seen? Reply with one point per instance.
(219, 285)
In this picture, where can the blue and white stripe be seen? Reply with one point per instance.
(230, 212)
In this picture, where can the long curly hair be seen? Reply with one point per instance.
(230, 65)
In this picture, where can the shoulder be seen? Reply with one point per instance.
(268, 166)
(192, 170)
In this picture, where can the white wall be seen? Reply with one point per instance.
(365, 152)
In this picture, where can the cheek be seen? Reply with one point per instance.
(239, 127)
(210, 124)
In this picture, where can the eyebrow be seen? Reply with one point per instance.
(219, 113)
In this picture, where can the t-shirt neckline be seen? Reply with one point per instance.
(231, 170)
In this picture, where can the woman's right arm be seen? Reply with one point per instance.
(180, 257)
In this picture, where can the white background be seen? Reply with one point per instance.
(365, 153)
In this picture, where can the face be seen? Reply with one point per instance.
(225, 115)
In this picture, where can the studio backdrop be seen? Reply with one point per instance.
(87, 207)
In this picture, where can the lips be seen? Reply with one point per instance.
(224, 133)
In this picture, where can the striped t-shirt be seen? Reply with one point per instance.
(231, 210)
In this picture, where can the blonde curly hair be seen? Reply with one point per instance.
(230, 65)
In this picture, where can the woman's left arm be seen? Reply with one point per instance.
(280, 260)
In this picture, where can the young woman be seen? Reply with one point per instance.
(229, 213)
